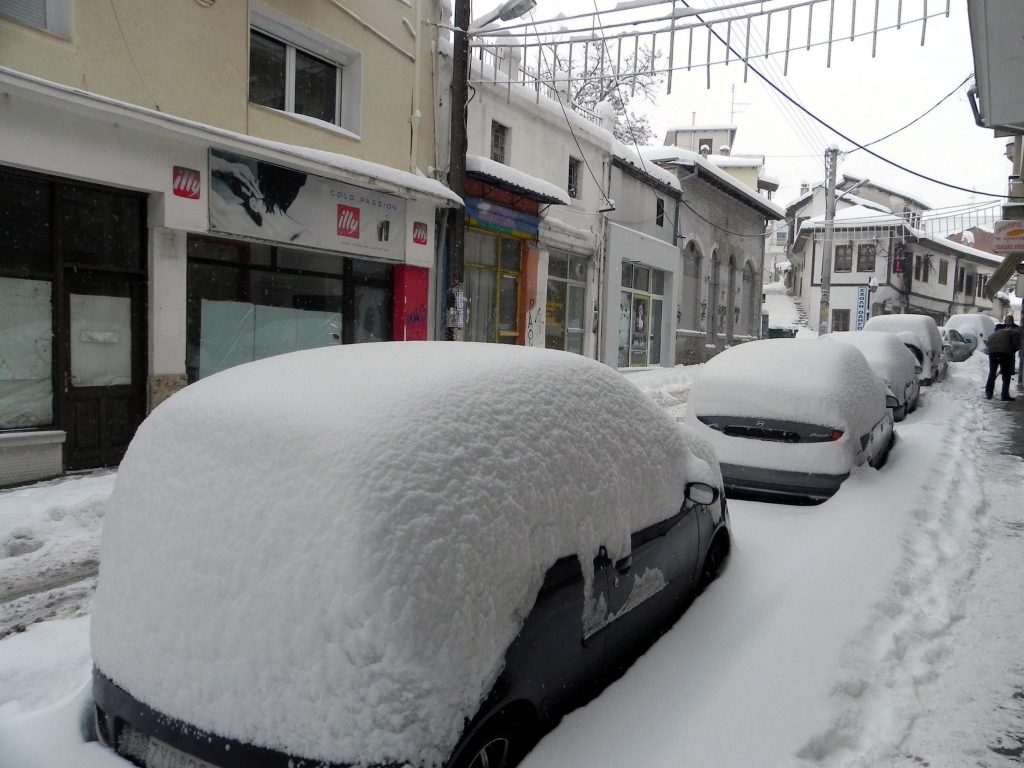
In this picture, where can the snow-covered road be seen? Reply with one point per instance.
(881, 628)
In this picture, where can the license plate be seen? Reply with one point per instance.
(160, 755)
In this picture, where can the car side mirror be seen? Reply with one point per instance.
(918, 369)
(891, 401)
(701, 493)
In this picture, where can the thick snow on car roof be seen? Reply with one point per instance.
(922, 325)
(885, 353)
(799, 380)
(328, 552)
(978, 324)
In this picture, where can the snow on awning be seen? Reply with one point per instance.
(501, 175)
(331, 165)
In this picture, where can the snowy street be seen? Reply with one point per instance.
(881, 628)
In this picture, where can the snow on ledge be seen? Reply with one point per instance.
(543, 190)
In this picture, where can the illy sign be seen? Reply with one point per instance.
(348, 221)
(186, 183)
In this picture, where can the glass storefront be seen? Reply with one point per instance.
(640, 314)
(247, 301)
(492, 271)
(567, 288)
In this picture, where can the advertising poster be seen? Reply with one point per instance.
(255, 199)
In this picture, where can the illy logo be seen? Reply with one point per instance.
(348, 221)
(185, 182)
(419, 233)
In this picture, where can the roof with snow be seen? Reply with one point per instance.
(685, 158)
(505, 176)
(631, 157)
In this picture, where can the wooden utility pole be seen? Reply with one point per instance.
(455, 301)
(831, 160)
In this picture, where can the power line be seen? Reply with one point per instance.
(843, 136)
(916, 119)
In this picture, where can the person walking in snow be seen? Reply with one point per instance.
(1003, 343)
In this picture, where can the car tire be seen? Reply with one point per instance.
(502, 742)
(714, 561)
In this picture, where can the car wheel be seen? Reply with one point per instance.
(501, 743)
(714, 560)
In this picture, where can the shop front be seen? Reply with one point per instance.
(144, 252)
(72, 319)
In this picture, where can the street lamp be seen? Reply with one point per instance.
(455, 306)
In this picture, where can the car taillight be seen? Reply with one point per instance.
(836, 434)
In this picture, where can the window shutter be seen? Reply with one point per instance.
(31, 12)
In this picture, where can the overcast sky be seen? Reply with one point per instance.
(861, 96)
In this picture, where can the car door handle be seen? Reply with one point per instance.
(623, 565)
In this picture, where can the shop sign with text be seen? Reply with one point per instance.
(252, 198)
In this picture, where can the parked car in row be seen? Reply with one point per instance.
(974, 327)
(933, 361)
(892, 362)
(791, 418)
(956, 347)
(321, 559)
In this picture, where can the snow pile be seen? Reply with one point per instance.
(328, 552)
(799, 380)
(978, 325)
(49, 548)
(782, 310)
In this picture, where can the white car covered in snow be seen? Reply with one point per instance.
(791, 418)
(894, 363)
(933, 362)
(975, 327)
(391, 554)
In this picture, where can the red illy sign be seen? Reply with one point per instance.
(186, 183)
(348, 221)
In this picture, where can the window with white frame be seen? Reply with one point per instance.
(295, 69)
(574, 177)
(499, 142)
(49, 15)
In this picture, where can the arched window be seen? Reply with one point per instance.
(748, 302)
(691, 312)
(714, 315)
(731, 308)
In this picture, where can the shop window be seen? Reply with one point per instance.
(866, 257)
(943, 271)
(574, 177)
(295, 69)
(840, 320)
(26, 349)
(247, 301)
(492, 270)
(25, 220)
(564, 315)
(640, 316)
(843, 258)
(499, 142)
(50, 15)
(101, 228)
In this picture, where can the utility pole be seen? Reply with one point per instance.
(831, 160)
(455, 305)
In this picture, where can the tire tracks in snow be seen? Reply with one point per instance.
(904, 647)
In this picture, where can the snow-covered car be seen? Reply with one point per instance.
(974, 327)
(933, 362)
(415, 553)
(957, 348)
(894, 364)
(791, 418)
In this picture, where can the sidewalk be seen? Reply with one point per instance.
(49, 548)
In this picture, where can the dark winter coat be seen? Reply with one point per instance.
(1003, 341)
